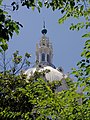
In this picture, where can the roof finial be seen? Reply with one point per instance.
(43, 24)
(44, 31)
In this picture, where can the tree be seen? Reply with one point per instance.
(23, 100)
(7, 29)
(33, 99)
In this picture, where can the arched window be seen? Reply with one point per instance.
(43, 57)
(48, 58)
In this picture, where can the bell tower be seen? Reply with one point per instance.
(44, 50)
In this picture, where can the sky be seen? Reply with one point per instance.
(67, 44)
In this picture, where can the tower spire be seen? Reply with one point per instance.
(44, 31)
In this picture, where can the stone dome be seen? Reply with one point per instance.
(52, 75)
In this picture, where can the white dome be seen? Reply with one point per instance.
(53, 75)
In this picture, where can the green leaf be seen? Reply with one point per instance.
(40, 3)
(86, 35)
(16, 27)
(61, 20)
(1, 2)
(5, 12)
(87, 42)
(83, 53)
(27, 55)
(33, 8)
(4, 45)
(86, 89)
(82, 65)
(88, 54)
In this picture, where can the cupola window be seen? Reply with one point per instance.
(48, 58)
(43, 57)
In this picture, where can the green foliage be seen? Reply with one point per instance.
(86, 35)
(28, 3)
(78, 26)
(33, 99)
(83, 71)
(7, 29)
(83, 77)
(22, 100)
(19, 63)
(53, 85)
(1, 2)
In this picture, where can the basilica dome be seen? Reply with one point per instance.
(52, 74)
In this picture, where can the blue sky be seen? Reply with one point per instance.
(67, 45)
